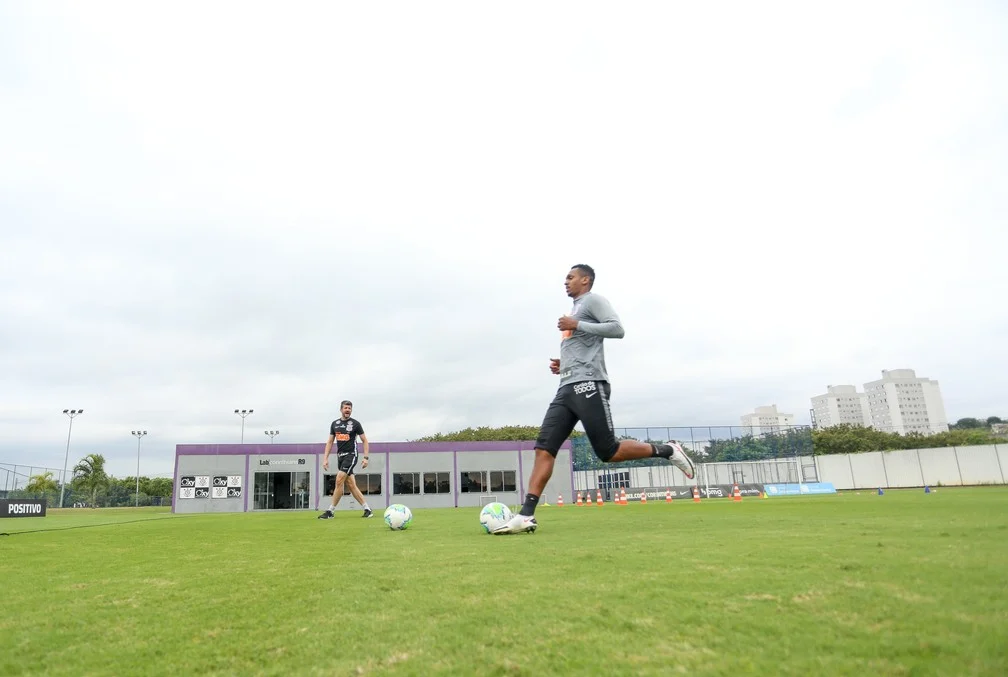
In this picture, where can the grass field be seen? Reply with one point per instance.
(902, 584)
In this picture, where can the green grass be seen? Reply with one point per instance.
(901, 584)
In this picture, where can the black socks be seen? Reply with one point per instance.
(662, 450)
(531, 501)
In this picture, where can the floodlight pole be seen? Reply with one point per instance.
(243, 413)
(272, 434)
(139, 435)
(71, 413)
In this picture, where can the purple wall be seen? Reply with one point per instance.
(378, 447)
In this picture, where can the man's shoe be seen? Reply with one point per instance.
(680, 460)
(517, 524)
(368, 512)
(327, 515)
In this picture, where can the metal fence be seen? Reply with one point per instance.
(15, 479)
(16, 476)
(708, 444)
(724, 455)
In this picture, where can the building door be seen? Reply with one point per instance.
(280, 491)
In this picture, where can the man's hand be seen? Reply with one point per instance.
(567, 323)
(555, 365)
(364, 464)
(325, 464)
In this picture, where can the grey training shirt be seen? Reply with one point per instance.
(582, 357)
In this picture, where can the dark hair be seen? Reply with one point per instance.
(586, 270)
(345, 402)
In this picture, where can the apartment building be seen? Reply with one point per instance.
(902, 402)
(767, 420)
(841, 404)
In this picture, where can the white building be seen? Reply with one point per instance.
(767, 420)
(903, 403)
(841, 404)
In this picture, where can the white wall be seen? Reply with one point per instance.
(949, 466)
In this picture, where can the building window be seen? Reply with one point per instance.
(406, 483)
(437, 483)
(473, 482)
(369, 484)
(502, 480)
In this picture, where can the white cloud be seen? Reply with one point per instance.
(211, 206)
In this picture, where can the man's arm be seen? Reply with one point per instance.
(608, 325)
(328, 448)
(363, 438)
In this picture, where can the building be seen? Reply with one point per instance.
(902, 402)
(262, 477)
(767, 420)
(840, 405)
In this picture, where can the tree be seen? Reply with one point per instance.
(41, 484)
(967, 423)
(991, 420)
(849, 439)
(89, 475)
(509, 433)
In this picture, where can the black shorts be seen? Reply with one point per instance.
(588, 402)
(346, 462)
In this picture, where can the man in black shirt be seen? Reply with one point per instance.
(344, 431)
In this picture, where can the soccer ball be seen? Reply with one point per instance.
(494, 515)
(398, 517)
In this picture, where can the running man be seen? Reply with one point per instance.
(345, 431)
(583, 395)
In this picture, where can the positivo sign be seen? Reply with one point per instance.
(22, 507)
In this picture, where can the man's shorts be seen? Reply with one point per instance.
(588, 402)
(346, 462)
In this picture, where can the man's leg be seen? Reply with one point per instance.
(359, 496)
(542, 470)
(557, 425)
(597, 419)
(336, 496)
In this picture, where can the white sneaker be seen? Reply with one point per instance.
(680, 460)
(517, 525)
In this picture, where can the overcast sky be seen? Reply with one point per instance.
(210, 206)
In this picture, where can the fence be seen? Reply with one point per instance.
(904, 468)
(946, 466)
(16, 476)
(784, 455)
(779, 456)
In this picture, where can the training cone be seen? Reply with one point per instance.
(643, 496)
(736, 494)
(559, 500)
(668, 495)
(696, 494)
(622, 496)
(880, 492)
(598, 497)
(579, 501)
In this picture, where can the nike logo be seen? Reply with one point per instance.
(591, 394)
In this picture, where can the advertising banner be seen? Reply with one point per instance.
(22, 507)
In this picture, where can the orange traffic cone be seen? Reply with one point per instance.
(598, 497)
(622, 496)
(579, 501)
(736, 494)
(643, 496)
(696, 494)
(668, 495)
(559, 500)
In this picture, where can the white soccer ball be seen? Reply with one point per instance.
(398, 517)
(494, 515)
